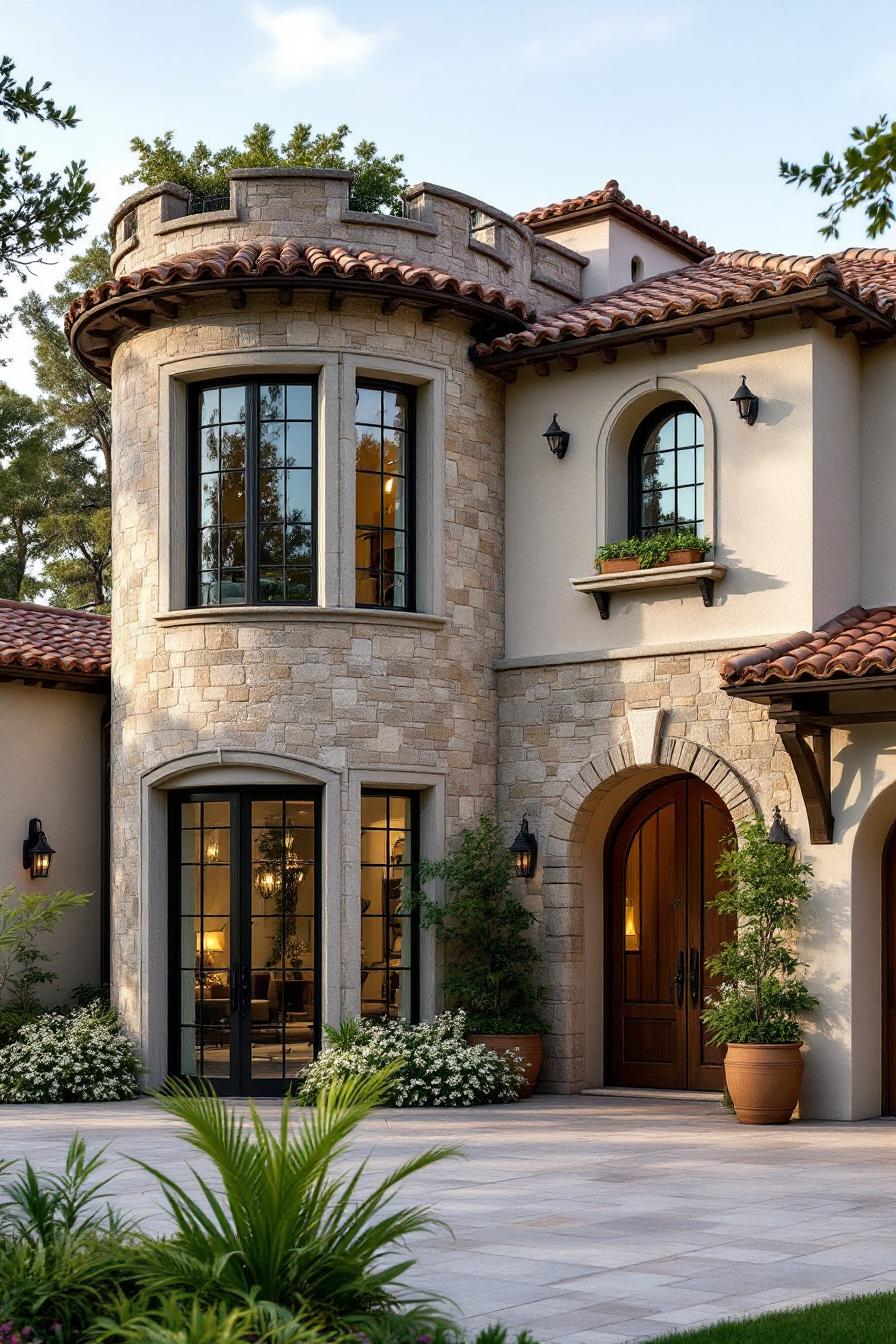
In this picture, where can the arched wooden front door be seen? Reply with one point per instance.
(660, 875)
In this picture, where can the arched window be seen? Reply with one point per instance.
(666, 472)
(637, 269)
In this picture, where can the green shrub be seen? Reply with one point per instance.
(79, 1056)
(433, 1064)
(762, 996)
(654, 550)
(24, 915)
(11, 1022)
(485, 929)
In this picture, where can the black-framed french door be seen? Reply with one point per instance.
(244, 936)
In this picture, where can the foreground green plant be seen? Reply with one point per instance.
(288, 1229)
(24, 916)
(84, 1055)
(62, 1251)
(654, 550)
(492, 959)
(763, 996)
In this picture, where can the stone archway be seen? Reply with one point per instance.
(615, 771)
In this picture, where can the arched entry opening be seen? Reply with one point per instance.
(659, 881)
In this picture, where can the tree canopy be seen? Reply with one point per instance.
(38, 214)
(862, 177)
(376, 185)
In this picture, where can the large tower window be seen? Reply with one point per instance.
(384, 540)
(667, 473)
(254, 492)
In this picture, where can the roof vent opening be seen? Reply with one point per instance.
(637, 270)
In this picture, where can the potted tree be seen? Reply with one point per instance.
(762, 996)
(491, 958)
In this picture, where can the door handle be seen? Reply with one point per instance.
(234, 986)
(695, 976)
(679, 979)
(245, 991)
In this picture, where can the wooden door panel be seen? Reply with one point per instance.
(660, 873)
(709, 830)
(646, 876)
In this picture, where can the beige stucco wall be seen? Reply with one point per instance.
(50, 768)
(558, 512)
(878, 476)
(609, 245)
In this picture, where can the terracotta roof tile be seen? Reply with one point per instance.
(294, 258)
(857, 643)
(724, 280)
(52, 639)
(609, 196)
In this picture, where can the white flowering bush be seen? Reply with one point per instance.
(79, 1056)
(439, 1067)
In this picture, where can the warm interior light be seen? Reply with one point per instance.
(209, 944)
(632, 942)
(211, 849)
(389, 484)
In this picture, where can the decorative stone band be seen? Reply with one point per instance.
(98, 318)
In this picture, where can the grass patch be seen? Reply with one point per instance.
(871, 1320)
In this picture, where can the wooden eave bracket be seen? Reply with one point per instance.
(808, 744)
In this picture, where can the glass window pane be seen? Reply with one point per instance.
(232, 548)
(687, 429)
(211, 448)
(698, 509)
(367, 548)
(658, 470)
(270, 496)
(367, 450)
(270, 585)
(232, 587)
(298, 545)
(700, 474)
(368, 406)
(687, 505)
(209, 503)
(298, 444)
(299, 401)
(208, 548)
(393, 501)
(298, 585)
(209, 407)
(298, 497)
(233, 449)
(393, 452)
(270, 445)
(686, 467)
(367, 589)
(368, 499)
(233, 405)
(270, 544)
(395, 409)
(273, 401)
(233, 498)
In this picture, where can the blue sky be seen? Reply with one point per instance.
(689, 103)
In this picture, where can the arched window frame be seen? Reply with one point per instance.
(645, 428)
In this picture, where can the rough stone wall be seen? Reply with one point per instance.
(553, 721)
(343, 692)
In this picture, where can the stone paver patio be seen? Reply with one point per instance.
(590, 1220)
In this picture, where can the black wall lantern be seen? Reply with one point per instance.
(558, 439)
(524, 850)
(37, 853)
(747, 405)
(778, 833)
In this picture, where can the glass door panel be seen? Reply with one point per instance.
(246, 942)
(204, 939)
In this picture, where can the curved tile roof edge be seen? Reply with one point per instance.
(37, 638)
(858, 643)
(293, 258)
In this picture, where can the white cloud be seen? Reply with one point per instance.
(308, 41)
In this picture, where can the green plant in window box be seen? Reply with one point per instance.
(662, 548)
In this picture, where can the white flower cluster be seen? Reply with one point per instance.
(80, 1056)
(440, 1068)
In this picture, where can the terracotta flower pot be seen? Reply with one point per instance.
(530, 1046)
(764, 1082)
(620, 566)
(689, 557)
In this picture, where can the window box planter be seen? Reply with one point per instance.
(692, 556)
(704, 575)
(621, 566)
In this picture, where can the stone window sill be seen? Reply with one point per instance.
(236, 615)
(703, 575)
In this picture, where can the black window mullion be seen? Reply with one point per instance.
(251, 540)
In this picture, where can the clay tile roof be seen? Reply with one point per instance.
(609, 196)
(857, 643)
(295, 259)
(51, 639)
(723, 280)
